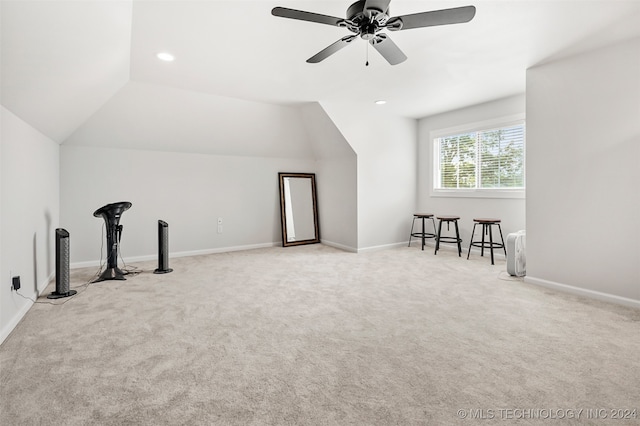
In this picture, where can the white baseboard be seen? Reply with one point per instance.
(382, 247)
(339, 246)
(497, 253)
(223, 249)
(8, 328)
(605, 297)
(173, 255)
(43, 285)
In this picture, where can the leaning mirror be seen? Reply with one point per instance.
(299, 209)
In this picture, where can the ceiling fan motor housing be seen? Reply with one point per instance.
(365, 22)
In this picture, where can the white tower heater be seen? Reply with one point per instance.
(516, 255)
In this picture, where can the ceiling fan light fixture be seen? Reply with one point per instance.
(165, 56)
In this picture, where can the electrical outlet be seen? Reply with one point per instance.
(219, 229)
(15, 282)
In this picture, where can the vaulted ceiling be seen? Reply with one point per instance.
(76, 69)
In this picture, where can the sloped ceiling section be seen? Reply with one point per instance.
(61, 61)
(155, 117)
(326, 140)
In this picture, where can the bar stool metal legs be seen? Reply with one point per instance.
(486, 230)
(448, 239)
(424, 234)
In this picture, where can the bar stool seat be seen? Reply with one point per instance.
(487, 229)
(448, 238)
(424, 234)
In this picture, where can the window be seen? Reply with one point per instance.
(484, 160)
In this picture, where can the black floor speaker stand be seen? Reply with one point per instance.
(111, 214)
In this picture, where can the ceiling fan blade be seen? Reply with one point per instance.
(388, 49)
(331, 49)
(456, 15)
(301, 15)
(381, 6)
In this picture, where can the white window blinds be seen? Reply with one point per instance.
(484, 159)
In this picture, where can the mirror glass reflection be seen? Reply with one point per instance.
(298, 208)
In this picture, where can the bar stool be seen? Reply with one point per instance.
(448, 239)
(487, 229)
(424, 234)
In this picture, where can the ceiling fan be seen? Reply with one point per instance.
(366, 18)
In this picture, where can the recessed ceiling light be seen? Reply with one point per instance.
(164, 56)
(381, 102)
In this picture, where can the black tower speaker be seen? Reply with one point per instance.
(163, 248)
(62, 266)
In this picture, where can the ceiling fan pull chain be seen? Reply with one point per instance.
(367, 63)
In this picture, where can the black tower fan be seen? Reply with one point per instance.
(163, 248)
(62, 266)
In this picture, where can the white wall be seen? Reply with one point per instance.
(511, 210)
(338, 202)
(336, 165)
(188, 191)
(386, 170)
(160, 118)
(29, 215)
(583, 172)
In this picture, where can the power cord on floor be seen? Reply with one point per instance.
(80, 288)
(130, 270)
(133, 270)
(127, 270)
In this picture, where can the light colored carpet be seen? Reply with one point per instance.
(312, 335)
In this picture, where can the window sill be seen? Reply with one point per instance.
(479, 193)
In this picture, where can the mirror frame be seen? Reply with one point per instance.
(283, 218)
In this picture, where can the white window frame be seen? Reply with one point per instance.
(506, 121)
